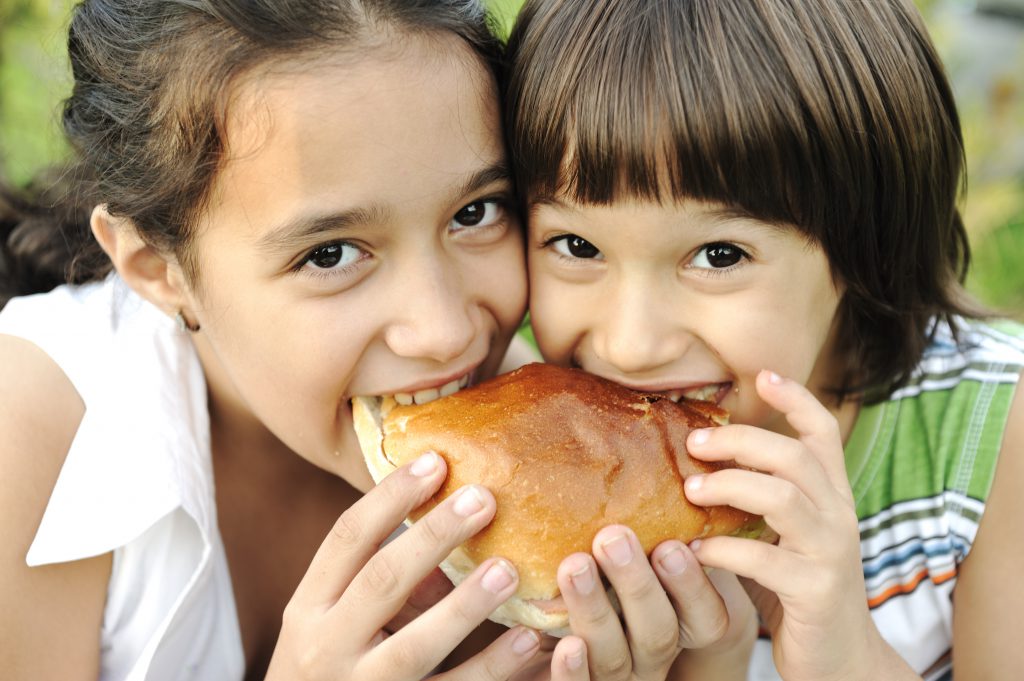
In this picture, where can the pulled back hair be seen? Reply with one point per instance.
(152, 85)
(831, 116)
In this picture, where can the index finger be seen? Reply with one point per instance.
(358, 533)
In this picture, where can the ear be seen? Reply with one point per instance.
(155, 276)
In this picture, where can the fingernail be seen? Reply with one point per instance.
(574, 660)
(525, 642)
(498, 577)
(618, 549)
(425, 465)
(694, 483)
(673, 562)
(695, 545)
(468, 501)
(699, 437)
(774, 378)
(583, 580)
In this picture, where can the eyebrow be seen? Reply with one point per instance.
(305, 228)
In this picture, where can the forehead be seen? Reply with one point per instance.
(384, 126)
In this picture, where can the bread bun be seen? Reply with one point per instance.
(565, 453)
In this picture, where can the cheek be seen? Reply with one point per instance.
(290, 357)
(505, 276)
(558, 317)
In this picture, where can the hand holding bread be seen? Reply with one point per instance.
(565, 454)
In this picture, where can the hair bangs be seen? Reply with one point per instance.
(713, 107)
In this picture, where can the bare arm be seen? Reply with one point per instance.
(51, 615)
(988, 599)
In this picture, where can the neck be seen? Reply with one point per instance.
(828, 373)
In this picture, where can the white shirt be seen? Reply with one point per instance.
(138, 482)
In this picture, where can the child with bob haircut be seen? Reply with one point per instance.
(754, 202)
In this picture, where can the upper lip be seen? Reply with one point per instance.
(432, 383)
(664, 386)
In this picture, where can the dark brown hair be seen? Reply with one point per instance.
(153, 81)
(833, 116)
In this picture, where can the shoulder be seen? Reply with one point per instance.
(39, 407)
(39, 414)
(989, 351)
(986, 599)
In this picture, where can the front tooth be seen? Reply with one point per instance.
(405, 399)
(464, 381)
(449, 388)
(424, 396)
(704, 393)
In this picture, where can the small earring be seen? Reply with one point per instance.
(183, 324)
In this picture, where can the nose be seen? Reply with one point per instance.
(638, 333)
(434, 314)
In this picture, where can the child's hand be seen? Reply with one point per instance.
(668, 604)
(334, 625)
(821, 628)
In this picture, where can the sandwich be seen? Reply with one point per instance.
(565, 453)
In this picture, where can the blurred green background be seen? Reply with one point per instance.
(981, 41)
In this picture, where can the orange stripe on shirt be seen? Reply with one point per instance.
(908, 586)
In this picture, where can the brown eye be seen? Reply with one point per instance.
(718, 256)
(336, 256)
(326, 257)
(476, 214)
(573, 246)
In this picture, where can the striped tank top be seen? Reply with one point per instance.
(921, 465)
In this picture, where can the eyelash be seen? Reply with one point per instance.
(324, 273)
(548, 244)
(744, 257)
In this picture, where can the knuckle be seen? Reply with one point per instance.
(347, 530)
(292, 616)
(826, 430)
(599, 617)
(793, 455)
(408, 659)
(848, 523)
(492, 669)
(395, 493)
(789, 496)
(712, 633)
(432, 530)
(638, 589)
(380, 577)
(618, 665)
(462, 610)
(661, 644)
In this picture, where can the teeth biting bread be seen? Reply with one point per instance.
(565, 453)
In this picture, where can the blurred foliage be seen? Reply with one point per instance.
(984, 56)
(34, 77)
